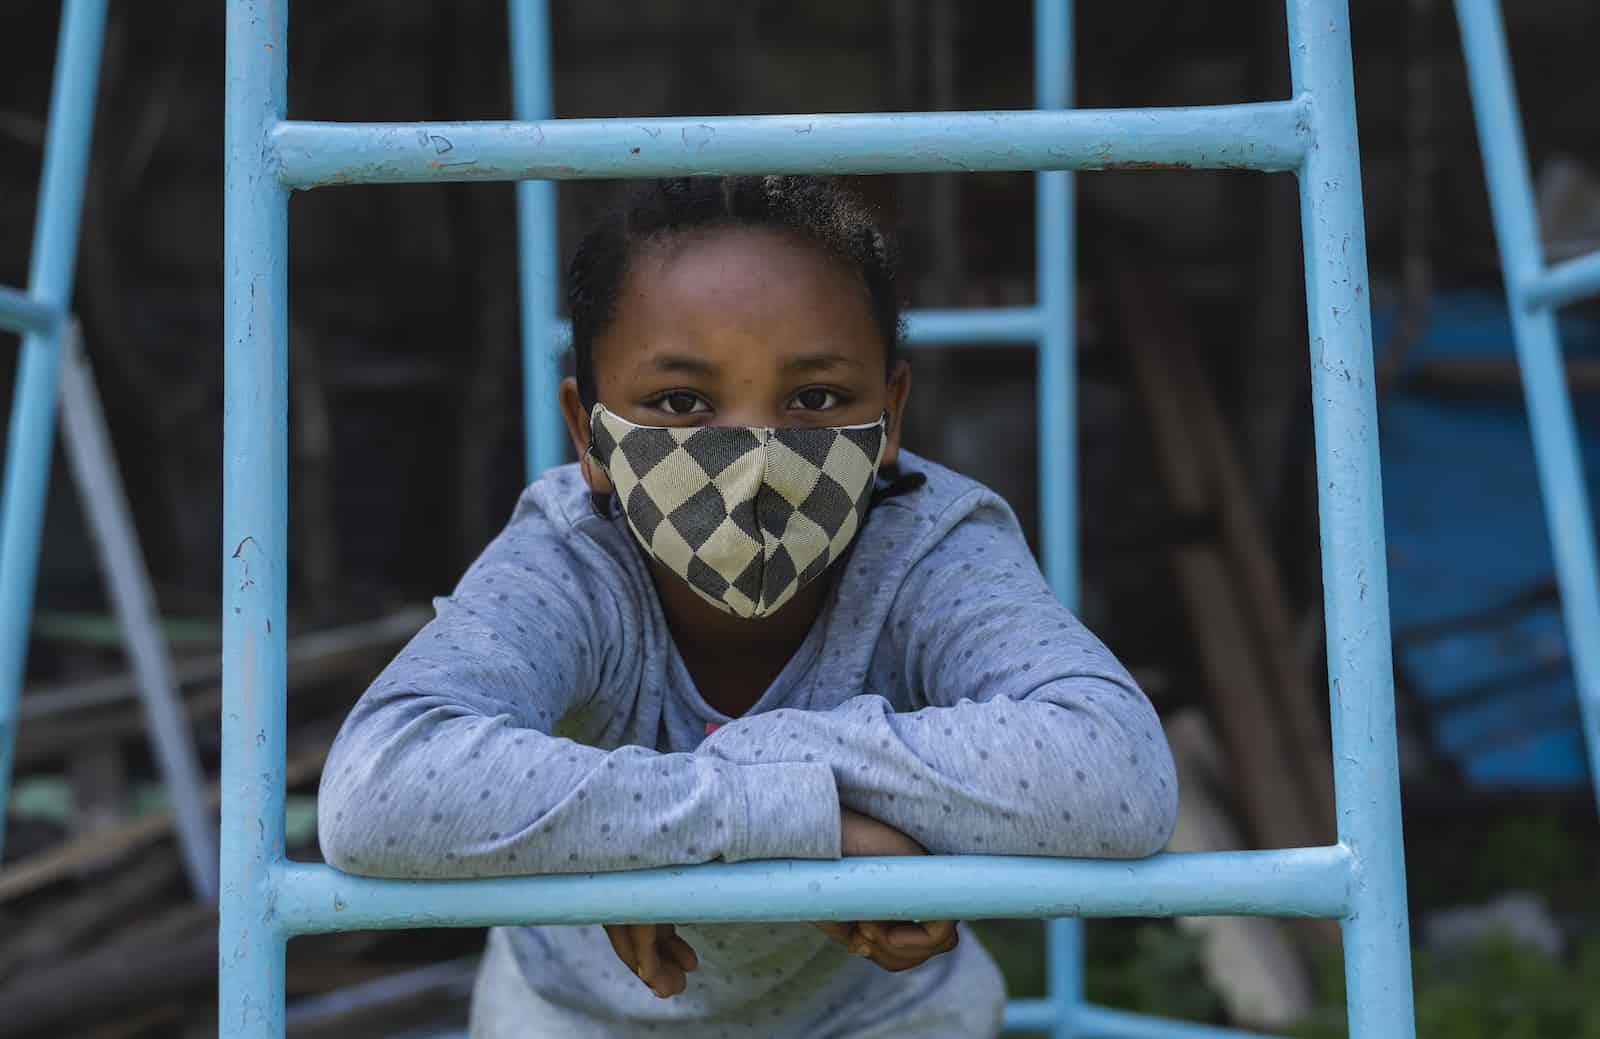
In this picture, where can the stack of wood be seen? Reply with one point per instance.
(103, 936)
(1256, 766)
(1273, 723)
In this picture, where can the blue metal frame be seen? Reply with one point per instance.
(1533, 291)
(1360, 880)
(40, 314)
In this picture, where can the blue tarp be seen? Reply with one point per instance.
(1478, 633)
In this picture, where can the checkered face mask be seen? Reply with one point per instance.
(748, 516)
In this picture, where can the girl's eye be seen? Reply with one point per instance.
(816, 399)
(682, 404)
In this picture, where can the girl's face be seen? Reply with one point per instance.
(741, 327)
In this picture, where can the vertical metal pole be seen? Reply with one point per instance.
(254, 522)
(1058, 449)
(94, 466)
(538, 269)
(1377, 947)
(55, 249)
(1555, 439)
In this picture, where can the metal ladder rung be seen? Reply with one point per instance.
(22, 313)
(1562, 283)
(1271, 136)
(1306, 882)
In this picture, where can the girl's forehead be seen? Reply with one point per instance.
(743, 294)
(733, 261)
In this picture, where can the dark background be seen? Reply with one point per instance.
(405, 383)
(402, 299)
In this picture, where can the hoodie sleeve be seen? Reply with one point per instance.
(1034, 740)
(450, 766)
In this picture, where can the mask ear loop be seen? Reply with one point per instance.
(600, 503)
(898, 483)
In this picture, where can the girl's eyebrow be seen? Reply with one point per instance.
(820, 362)
(690, 364)
(687, 363)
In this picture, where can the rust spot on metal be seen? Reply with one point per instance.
(1143, 164)
(465, 169)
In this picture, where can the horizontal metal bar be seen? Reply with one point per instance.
(1566, 282)
(1311, 882)
(1110, 1023)
(1041, 1015)
(974, 327)
(434, 984)
(1269, 136)
(977, 326)
(1031, 1015)
(21, 313)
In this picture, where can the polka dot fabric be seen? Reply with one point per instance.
(544, 723)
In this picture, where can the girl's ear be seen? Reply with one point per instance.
(577, 419)
(899, 391)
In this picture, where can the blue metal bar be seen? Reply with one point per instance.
(1032, 1015)
(1057, 408)
(33, 410)
(1350, 505)
(998, 326)
(538, 268)
(1563, 283)
(1108, 1023)
(20, 312)
(1269, 135)
(255, 520)
(1309, 882)
(1555, 438)
(267, 899)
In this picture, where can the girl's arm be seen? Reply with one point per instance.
(1036, 741)
(448, 766)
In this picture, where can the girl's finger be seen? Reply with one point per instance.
(680, 951)
(621, 936)
(837, 930)
(930, 934)
(648, 963)
(670, 980)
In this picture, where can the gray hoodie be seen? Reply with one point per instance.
(544, 722)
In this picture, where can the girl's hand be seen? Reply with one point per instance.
(892, 945)
(656, 954)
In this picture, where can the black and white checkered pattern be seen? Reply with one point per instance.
(746, 515)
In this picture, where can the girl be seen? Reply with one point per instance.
(746, 625)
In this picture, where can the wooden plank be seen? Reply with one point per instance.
(1245, 534)
(1499, 376)
(1181, 467)
(1251, 962)
(1266, 780)
(175, 953)
(313, 658)
(58, 926)
(311, 652)
(1193, 440)
(106, 847)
